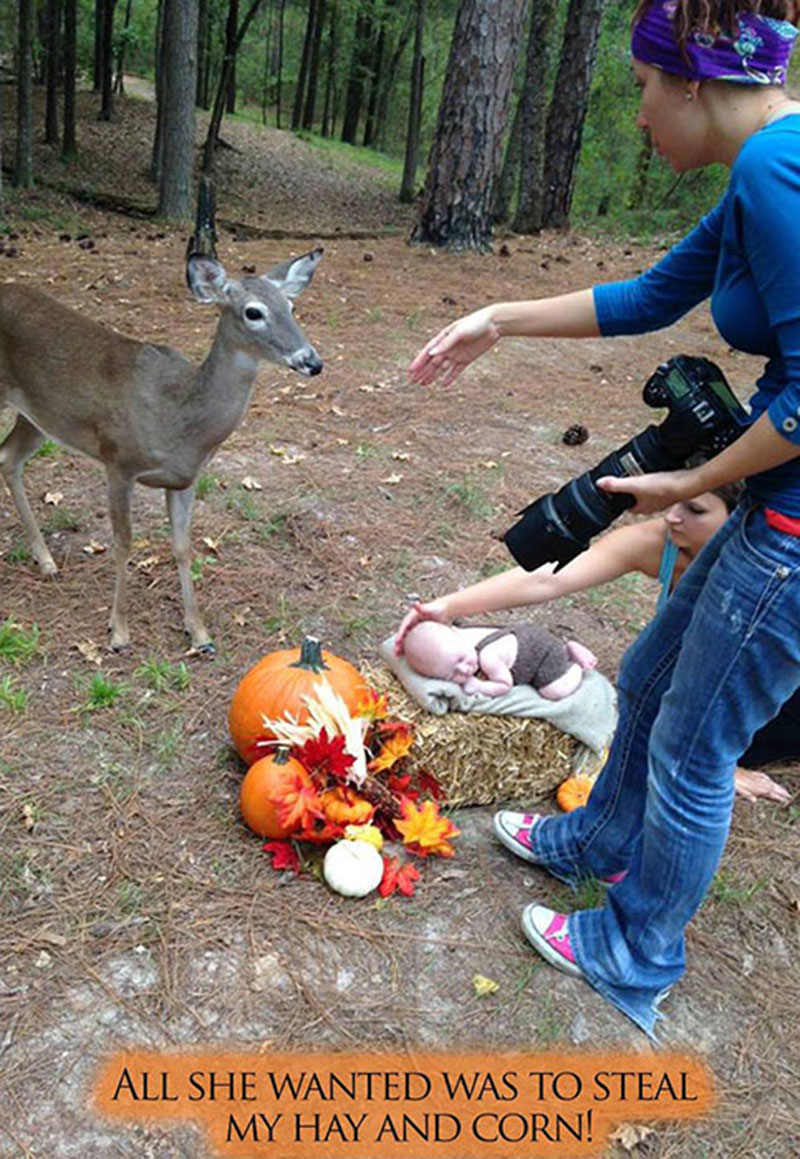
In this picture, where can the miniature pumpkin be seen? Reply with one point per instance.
(353, 868)
(344, 807)
(574, 792)
(276, 685)
(365, 833)
(262, 786)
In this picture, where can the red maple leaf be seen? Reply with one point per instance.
(297, 803)
(284, 855)
(428, 784)
(397, 876)
(324, 756)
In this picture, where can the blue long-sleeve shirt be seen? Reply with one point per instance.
(745, 255)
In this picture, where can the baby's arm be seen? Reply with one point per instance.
(498, 680)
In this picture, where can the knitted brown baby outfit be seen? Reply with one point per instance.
(541, 657)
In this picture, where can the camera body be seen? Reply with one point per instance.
(704, 416)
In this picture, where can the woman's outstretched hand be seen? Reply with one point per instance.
(434, 610)
(453, 348)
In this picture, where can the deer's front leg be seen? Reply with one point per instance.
(119, 505)
(15, 450)
(179, 507)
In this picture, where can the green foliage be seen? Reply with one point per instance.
(102, 693)
(160, 675)
(18, 645)
(14, 699)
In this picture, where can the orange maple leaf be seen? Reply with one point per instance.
(425, 831)
(393, 749)
(297, 804)
(372, 705)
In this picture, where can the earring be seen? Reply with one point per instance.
(689, 96)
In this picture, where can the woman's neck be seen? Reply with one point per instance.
(736, 113)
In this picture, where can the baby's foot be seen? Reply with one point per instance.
(580, 654)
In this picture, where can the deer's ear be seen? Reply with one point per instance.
(292, 277)
(206, 278)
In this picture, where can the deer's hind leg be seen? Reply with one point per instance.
(119, 506)
(179, 507)
(15, 450)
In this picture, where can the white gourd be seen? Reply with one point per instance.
(353, 868)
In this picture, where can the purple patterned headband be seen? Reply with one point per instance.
(756, 54)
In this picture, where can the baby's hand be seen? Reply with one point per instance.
(434, 610)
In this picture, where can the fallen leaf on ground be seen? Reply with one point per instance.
(147, 565)
(401, 456)
(211, 544)
(392, 479)
(94, 548)
(90, 651)
(484, 985)
(29, 817)
(630, 1135)
(276, 450)
(53, 498)
(251, 484)
(290, 460)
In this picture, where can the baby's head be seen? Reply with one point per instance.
(440, 650)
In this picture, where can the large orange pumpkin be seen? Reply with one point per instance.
(261, 787)
(276, 685)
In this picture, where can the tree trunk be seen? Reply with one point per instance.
(279, 79)
(510, 171)
(69, 147)
(23, 168)
(52, 70)
(119, 82)
(355, 80)
(222, 88)
(180, 71)
(387, 82)
(313, 68)
(203, 54)
(157, 159)
(107, 100)
(533, 118)
(568, 110)
(267, 61)
(636, 197)
(230, 54)
(408, 184)
(330, 73)
(376, 67)
(465, 159)
(305, 59)
(99, 33)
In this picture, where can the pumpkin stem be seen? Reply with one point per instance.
(311, 656)
(281, 755)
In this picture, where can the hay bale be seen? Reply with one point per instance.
(481, 760)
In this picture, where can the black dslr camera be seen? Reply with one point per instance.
(704, 416)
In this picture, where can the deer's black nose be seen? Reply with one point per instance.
(305, 361)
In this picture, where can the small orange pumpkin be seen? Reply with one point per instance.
(262, 786)
(574, 792)
(342, 806)
(277, 683)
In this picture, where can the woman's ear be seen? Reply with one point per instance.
(691, 90)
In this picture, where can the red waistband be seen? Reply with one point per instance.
(783, 523)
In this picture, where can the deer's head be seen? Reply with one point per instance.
(259, 309)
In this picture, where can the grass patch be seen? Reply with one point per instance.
(14, 699)
(730, 891)
(18, 554)
(102, 693)
(471, 497)
(49, 449)
(18, 645)
(206, 485)
(160, 675)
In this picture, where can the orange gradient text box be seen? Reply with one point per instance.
(413, 1106)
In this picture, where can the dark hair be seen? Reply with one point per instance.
(715, 16)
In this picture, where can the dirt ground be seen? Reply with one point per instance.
(134, 906)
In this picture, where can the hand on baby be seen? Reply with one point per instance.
(434, 610)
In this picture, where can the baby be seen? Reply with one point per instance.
(489, 661)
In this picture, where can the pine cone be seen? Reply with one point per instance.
(575, 435)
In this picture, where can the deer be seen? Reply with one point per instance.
(146, 412)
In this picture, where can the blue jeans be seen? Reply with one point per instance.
(714, 665)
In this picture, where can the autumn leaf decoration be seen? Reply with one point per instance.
(355, 767)
(425, 831)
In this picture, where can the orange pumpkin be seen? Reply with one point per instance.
(277, 683)
(574, 792)
(262, 786)
(342, 806)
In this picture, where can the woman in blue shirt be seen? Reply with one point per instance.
(711, 77)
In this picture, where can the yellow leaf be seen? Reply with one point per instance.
(484, 985)
(53, 498)
(426, 829)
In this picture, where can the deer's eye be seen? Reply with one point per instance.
(255, 315)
